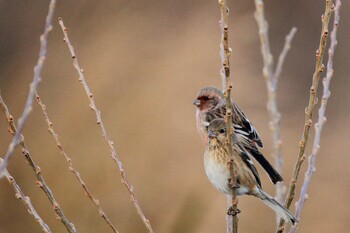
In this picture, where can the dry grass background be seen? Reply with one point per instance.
(145, 62)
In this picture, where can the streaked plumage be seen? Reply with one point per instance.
(211, 105)
(216, 158)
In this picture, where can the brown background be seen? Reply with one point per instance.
(145, 61)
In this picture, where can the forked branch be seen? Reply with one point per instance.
(25, 200)
(104, 132)
(71, 165)
(319, 68)
(271, 76)
(37, 171)
(321, 117)
(33, 86)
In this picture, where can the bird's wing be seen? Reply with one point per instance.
(243, 127)
(246, 159)
(253, 151)
(272, 173)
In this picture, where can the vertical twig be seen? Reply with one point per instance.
(36, 169)
(71, 165)
(321, 117)
(225, 53)
(33, 86)
(319, 67)
(271, 80)
(25, 200)
(104, 132)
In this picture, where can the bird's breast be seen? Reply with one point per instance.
(217, 173)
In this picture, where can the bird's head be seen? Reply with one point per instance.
(208, 98)
(217, 131)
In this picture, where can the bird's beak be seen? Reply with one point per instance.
(197, 102)
(212, 134)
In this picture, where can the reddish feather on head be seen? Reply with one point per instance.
(208, 98)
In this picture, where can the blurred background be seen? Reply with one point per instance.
(145, 62)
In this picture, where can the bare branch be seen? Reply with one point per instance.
(225, 53)
(319, 67)
(264, 40)
(25, 200)
(271, 79)
(33, 86)
(321, 117)
(36, 169)
(104, 132)
(283, 54)
(71, 165)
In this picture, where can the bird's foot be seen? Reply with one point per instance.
(233, 212)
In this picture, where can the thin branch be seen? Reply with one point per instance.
(104, 132)
(319, 67)
(321, 117)
(283, 54)
(71, 165)
(36, 169)
(264, 40)
(225, 53)
(271, 80)
(25, 200)
(33, 87)
(275, 118)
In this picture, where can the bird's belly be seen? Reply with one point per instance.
(219, 175)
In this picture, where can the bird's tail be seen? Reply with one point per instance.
(276, 206)
(273, 174)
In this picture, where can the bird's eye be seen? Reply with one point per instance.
(222, 130)
(205, 98)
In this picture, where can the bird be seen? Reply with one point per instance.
(211, 104)
(217, 168)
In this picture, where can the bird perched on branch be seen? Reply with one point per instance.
(217, 168)
(211, 105)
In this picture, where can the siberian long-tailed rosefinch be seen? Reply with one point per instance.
(211, 105)
(216, 164)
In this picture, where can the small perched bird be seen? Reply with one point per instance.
(216, 165)
(211, 105)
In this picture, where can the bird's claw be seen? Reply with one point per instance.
(233, 212)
